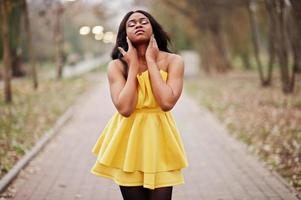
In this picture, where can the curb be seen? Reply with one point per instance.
(6, 180)
(285, 183)
(41, 143)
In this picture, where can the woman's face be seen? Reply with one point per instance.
(138, 28)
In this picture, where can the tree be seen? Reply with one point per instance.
(59, 39)
(296, 32)
(252, 7)
(207, 16)
(14, 24)
(5, 10)
(238, 36)
(29, 44)
(284, 36)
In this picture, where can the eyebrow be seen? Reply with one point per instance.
(135, 20)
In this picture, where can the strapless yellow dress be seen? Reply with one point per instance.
(144, 149)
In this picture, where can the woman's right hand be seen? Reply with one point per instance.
(129, 56)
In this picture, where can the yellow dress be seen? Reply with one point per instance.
(144, 149)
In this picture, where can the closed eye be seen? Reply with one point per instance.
(133, 22)
(144, 21)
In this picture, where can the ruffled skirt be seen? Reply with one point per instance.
(143, 149)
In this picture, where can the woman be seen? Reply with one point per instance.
(140, 148)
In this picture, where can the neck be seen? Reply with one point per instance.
(141, 49)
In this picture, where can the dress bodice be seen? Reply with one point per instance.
(146, 97)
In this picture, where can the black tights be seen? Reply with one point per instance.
(141, 193)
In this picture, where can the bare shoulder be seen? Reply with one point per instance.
(114, 66)
(175, 63)
(115, 69)
(175, 57)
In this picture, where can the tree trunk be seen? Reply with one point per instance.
(17, 66)
(246, 60)
(296, 31)
(58, 35)
(292, 19)
(222, 63)
(271, 41)
(282, 49)
(6, 52)
(30, 47)
(255, 38)
(205, 53)
(14, 21)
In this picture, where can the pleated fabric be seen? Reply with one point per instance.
(143, 149)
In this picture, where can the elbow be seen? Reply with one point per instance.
(167, 107)
(125, 109)
(125, 112)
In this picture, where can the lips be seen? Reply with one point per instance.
(139, 31)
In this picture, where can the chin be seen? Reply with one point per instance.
(140, 40)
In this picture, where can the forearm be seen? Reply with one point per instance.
(128, 95)
(161, 90)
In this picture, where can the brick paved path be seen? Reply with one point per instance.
(220, 168)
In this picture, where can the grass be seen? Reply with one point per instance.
(32, 113)
(263, 118)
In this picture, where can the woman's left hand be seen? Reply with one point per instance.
(152, 50)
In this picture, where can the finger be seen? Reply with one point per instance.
(155, 42)
(150, 41)
(129, 42)
(156, 45)
(122, 51)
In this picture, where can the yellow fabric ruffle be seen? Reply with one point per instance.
(148, 180)
(144, 148)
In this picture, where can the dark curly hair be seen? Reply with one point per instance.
(162, 38)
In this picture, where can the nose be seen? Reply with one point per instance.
(138, 25)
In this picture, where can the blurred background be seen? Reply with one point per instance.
(242, 62)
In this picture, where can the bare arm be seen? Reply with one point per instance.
(167, 94)
(124, 92)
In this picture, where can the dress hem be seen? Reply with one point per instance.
(163, 170)
(136, 183)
